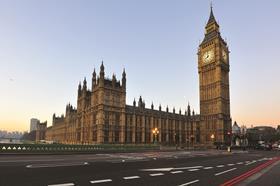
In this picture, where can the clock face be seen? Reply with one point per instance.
(224, 55)
(208, 56)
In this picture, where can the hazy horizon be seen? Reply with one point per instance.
(47, 47)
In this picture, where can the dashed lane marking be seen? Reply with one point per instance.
(100, 181)
(230, 164)
(251, 162)
(167, 169)
(189, 183)
(219, 173)
(219, 166)
(176, 172)
(131, 177)
(192, 170)
(206, 168)
(239, 163)
(183, 168)
(156, 174)
(63, 184)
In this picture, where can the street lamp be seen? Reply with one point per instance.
(212, 138)
(155, 133)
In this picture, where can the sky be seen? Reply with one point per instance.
(48, 46)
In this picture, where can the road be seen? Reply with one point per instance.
(148, 168)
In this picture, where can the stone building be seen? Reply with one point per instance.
(102, 115)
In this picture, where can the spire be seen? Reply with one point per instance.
(102, 66)
(93, 79)
(189, 109)
(124, 79)
(123, 74)
(102, 73)
(152, 106)
(80, 86)
(85, 84)
(211, 17)
(134, 102)
(94, 73)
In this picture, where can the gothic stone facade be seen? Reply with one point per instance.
(102, 115)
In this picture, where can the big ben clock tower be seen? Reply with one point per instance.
(213, 68)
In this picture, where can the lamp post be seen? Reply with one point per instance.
(229, 143)
(212, 138)
(155, 133)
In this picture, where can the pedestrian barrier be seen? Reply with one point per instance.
(64, 148)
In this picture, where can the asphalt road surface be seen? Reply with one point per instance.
(176, 168)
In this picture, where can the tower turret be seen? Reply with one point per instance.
(114, 80)
(102, 72)
(79, 89)
(189, 109)
(134, 102)
(140, 101)
(93, 79)
(85, 84)
(124, 79)
(101, 75)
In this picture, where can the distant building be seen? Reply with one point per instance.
(261, 133)
(37, 130)
(41, 131)
(235, 128)
(33, 124)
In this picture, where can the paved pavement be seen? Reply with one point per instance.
(148, 168)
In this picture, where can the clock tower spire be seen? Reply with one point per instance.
(213, 68)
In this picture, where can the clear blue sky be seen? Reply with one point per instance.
(47, 47)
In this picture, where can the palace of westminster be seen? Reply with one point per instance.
(103, 117)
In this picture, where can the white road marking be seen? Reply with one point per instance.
(183, 168)
(219, 166)
(217, 174)
(251, 162)
(239, 163)
(176, 172)
(131, 177)
(192, 170)
(189, 183)
(230, 164)
(56, 165)
(63, 184)
(159, 169)
(157, 174)
(100, 181)
(206, 168)
(167, 169)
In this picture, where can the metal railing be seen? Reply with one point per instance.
(64, 148)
